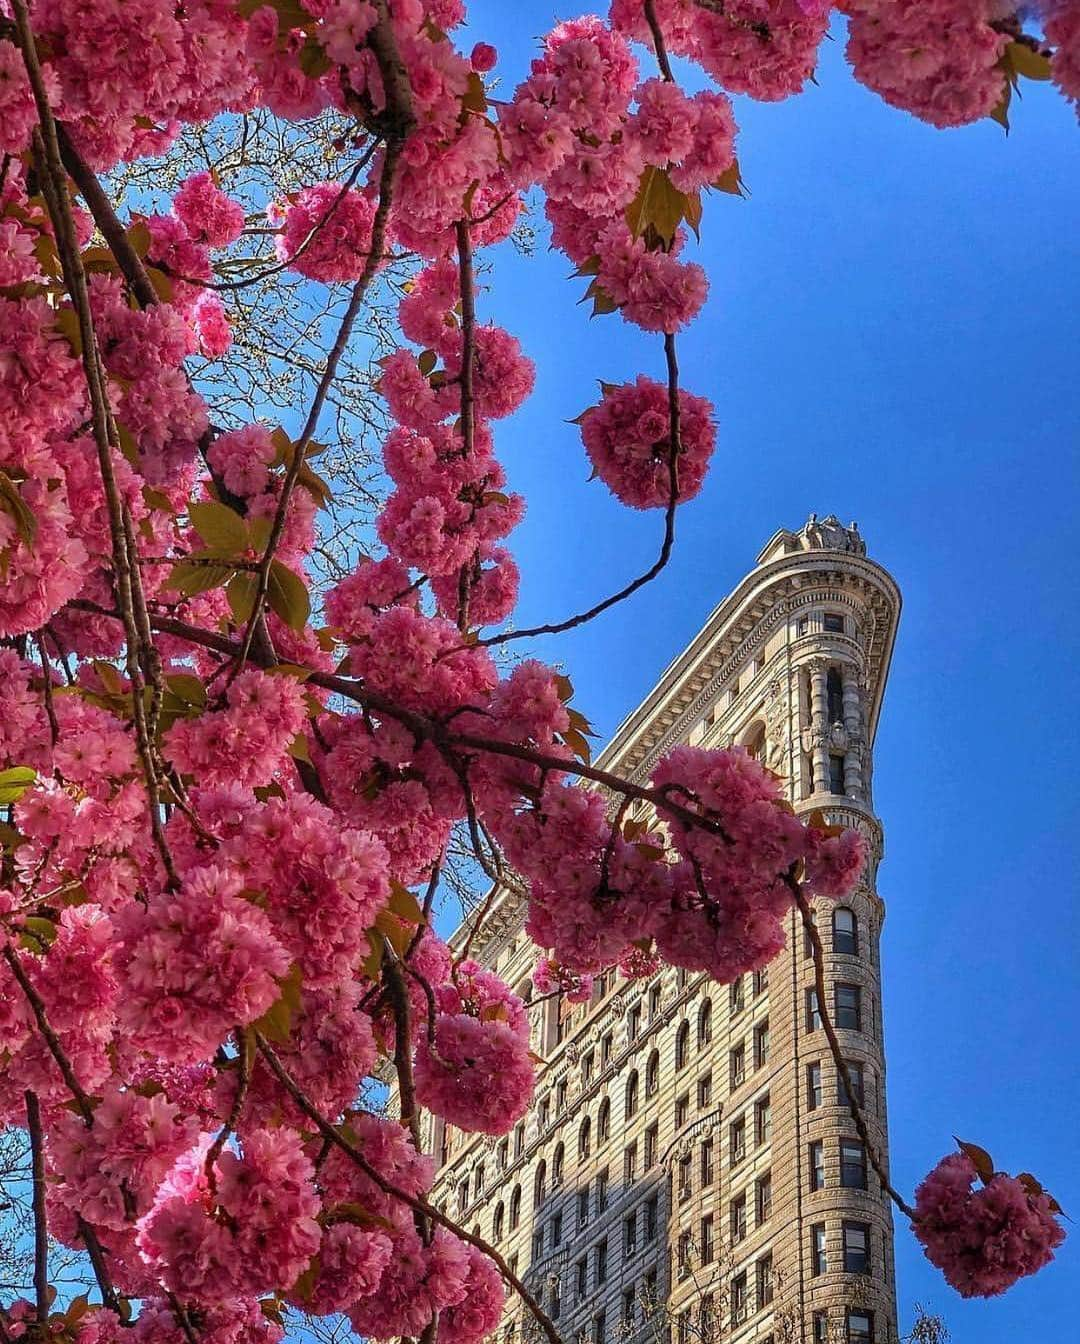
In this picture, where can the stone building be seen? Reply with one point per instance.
(689, 1170)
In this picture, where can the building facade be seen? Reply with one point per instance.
(690, 1170)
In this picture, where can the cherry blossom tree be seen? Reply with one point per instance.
(229, 790)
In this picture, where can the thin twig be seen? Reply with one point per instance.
(414, 1202)
(834, 1044)
(50, 1037)
(41, 1224)
(675, 448)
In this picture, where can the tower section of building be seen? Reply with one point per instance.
(691, 1169)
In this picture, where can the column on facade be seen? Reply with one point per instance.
(853, 780)
(819, 713)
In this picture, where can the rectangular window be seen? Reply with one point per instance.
(737, 1140)
(856, 1248)
(762, 1121)
(519, 1140)
(855, 1072)
(761, 1044)
(813, 1012)
(650, 1292)
(818, 1262)
(813, 1086)
(607, 1046)
(852, 1164)
(538, 1243)
(763, 1273)
(708, 1246)
(556, 1230)
(652, 1138)
(707, 1163)
(763, 1198)
(737, 1066)
(686, 1167)
(629, 1162)
(802, 625)
(834, 623)
(629, 1234)
(860, 1327)
(817, 1165)
(821, 1327)
(683, 1254)
(807, 941)
(601, 1191)
(738, 1299)
(654, 1001)
(736, 996)
(652, 1218)
(629, 1307)
(738, 1220)
(560, 1097)
(761, 981)
(587, 1063)
(599, 1328)
(683, 1327)
(704, 1092)
(848, 1011)
(601, 1261)
(836, 773)
(682, 1111)
(583, 1207)
(633, 1022)
(545, 1113)
(555, 1300)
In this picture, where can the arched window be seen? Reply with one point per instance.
(603, 1122)
(584, 1138)
(845, 931)
(558, 1162)
(753, 742)
(652, 1074)
(515, 1207)
(704, 1024)
(540, 1184)
(632, 1095)
(497, 1222)
(682, 1045)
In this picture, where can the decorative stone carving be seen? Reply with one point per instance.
(830, 534)
(838, 737)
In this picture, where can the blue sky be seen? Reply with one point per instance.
(891, 336)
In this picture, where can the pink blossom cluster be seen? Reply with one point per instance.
(222, 953)
(628, 440)
(939, 60)
(983, 1240)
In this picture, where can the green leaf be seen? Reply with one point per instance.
(39, 931)
(219, 526)
(288, 596)
(276, 1023)
(189, 579)
(983, 1162)
(404, 904)
(67, 323)
(240, 591)
(15, 781)
(17, 509)
(1000, 114)
(659, 207)
(313, 60)
(730, 180)
(1026, 61)
(163, 286)
(187, 687)
(602, 300)
(138, 235)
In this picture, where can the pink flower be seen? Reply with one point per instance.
(983, 1240)
(627, 437)
(477, 1074)
(326, 233)
(209, 216)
